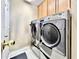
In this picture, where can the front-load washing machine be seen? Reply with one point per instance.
(52, 33)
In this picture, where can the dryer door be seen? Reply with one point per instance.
(50, 35)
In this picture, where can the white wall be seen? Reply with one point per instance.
(21, 15)
(74, 29)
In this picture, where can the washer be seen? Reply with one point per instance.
(54, 32)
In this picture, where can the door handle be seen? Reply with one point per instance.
(7, 43)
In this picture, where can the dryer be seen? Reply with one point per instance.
(52, 32)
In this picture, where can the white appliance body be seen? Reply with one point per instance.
(53, 34)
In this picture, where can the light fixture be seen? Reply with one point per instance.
(29, 0)
(34, 2)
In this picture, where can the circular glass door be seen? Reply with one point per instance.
(50, 35)
(33, 30)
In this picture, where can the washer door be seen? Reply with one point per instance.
(33, 30)
(50, 35)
